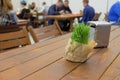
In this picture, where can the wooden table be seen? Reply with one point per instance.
(70, 17)
(45, 61)
(23, 21)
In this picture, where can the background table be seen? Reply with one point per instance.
(45, 61)
(70, 17)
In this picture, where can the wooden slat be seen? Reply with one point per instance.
(47, 28)
(114, 28)
(45, 32)
(52, 33)
(114, 34)
(97, 64)
(6, 55)
(31, 67)
(23, 58)
(54, 72)
(68, 16)
(113, 72)
(13, 28)
(13, 43)
(11, 35)
(13, 39)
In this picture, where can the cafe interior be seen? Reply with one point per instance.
(59, 39)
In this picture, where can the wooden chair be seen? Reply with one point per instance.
(44, 32)
(106, 17)
(39, 21)
(97, 16)
(27, 15)
(12, 37)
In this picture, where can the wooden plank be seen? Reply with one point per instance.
(13, 43)
(23, 58)
(15, 52)
(45, 32)
(114, 34)
(54, 71)
(52, 33)
(44, 29)
(113, 72)
(68, 16)
(28, 68)
(11, 35)
(114, 28)
(96, 65)
(13, 39)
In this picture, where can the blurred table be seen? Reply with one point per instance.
(70, 17)
(21, 21)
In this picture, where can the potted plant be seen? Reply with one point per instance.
(79, 45)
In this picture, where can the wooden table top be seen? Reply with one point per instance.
(45, 61)
(66, 16)
(23, 21)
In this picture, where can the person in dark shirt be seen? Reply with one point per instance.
(66, 7)
(55, 10)
(88, 12)
(23, 11)
(65, 24)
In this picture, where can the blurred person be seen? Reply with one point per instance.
(44, 8)
(88, 12)
(8, 16)
(114, 13)
(66, 7)
(55, 10)
(23, 10)
(33, 9)
(65, 24)
(33, 6)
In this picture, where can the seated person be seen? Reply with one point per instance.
(88, 12)
(44, 8)
(8, 16)
(33, 8)
(67, 10)
(33, 11)
(24, 10)
(55, 10)
(114, 13)
(66, 7)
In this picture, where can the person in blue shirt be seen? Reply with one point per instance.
(88, 12)
(24, 10)
(55, 10)
(114, 13)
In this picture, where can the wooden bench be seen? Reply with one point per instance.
(106, 17)
(44, 32)
(13, 36)
(96, 17)
(37, 21)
